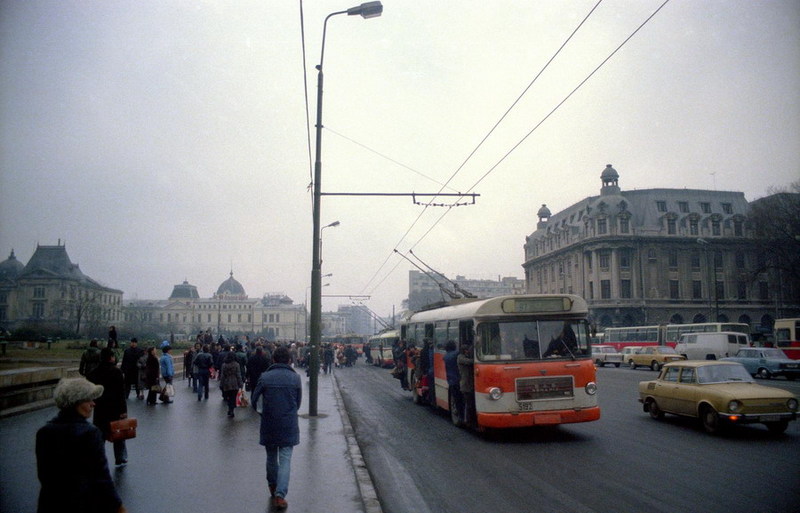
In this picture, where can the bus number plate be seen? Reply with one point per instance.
(556, 387)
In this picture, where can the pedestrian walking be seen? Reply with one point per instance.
(230, 380)
(282, 394)
(257, 364)
(70, 455)
(151, 376)
(203, 362)
(90, 358)
(167, 367)
(130, 367)
(111, 405)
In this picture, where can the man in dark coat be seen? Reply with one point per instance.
(257, 364)
(282, 393)
(111, 405)
(130, 367)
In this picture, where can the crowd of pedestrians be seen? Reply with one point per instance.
(260, 373)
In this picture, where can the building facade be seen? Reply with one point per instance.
(229, 311)
(646, 257)
(53, 293)
(423, 290)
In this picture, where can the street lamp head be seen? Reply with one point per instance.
(333, 224)
(367, 10)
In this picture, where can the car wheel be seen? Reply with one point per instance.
(654, 410)
(777, 427)
(617, 365)
(763, 373)
(455, 413)
(599, 363)
(710, 419)
(632, 364)
(655, 365)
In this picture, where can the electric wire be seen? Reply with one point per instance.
(519, 143)
(474, 151)
(305, 92)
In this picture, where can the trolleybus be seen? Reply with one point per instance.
(787, 337)
(665, 334)
(380, 347)
(532, 359)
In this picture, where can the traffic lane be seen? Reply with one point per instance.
(623, 461)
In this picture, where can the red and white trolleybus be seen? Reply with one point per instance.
(532, 358)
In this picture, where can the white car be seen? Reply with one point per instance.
(603, 354)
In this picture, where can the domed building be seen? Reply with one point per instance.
(652, 256)
(229, 311)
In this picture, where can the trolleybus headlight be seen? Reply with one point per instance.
(591, 388)
(734, 405)
(495, 393)
(792, 404)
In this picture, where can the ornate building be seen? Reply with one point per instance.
(229, 311)
(652, 256)
(52, 292)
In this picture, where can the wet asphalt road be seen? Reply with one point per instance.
(625, 462)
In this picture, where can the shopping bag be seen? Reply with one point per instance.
(169, 390)
(122, 429)
(241, 399)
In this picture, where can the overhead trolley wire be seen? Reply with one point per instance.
(474, 151)
(519, 143)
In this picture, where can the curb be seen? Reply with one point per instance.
(369, 496)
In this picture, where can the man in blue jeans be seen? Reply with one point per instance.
(282, 393)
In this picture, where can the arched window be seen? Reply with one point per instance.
(699, 318)
(745, 319)
(676, 319)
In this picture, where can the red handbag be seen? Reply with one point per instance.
(122, 429)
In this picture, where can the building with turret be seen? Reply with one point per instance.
(652, 256)
(51, 291)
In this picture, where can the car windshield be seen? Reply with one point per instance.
(608, 350)
(723, 374)
(666, 350)
(532, 340)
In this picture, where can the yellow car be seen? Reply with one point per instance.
(653, 356)
(719, 393)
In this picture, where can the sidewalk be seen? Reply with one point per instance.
(189, 456)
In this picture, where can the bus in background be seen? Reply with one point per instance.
(380, 347)
(532, 359)
(666, 334)
(787, 337)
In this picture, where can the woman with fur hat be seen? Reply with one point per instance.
(71, 457)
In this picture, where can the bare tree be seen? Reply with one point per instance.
(775, 221)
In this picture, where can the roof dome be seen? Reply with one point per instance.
(11, 267)
(231, 287)
(184, 291)
(543, 212)
(609, 174)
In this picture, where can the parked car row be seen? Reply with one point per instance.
(634, 356)
(719, 394)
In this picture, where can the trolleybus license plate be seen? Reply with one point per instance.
(555, 387)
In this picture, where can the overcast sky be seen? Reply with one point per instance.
(167, 140)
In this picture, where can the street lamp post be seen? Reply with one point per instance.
(365, 10)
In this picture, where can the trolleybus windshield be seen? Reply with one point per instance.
(532, 340)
